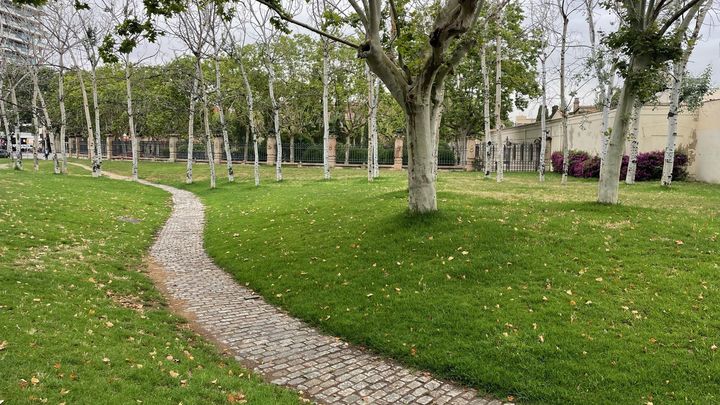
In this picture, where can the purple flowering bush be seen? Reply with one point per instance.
(649, 165)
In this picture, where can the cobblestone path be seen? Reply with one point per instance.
(275, 345)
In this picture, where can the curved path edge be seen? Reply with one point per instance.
(276, 346)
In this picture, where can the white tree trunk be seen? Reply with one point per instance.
(633, 145)
(209, 153)
(500, 152)
(373, 167)
(36, 128)
(223, 124)
(486, 108)
(251, 121)
(421, 179)
(326, 114)
(191, 129)
(18, 162)
(563, 100)
(63, 115)
(48, 124)
(86, 112)
(276, 121)
(543, 115)
(97, 161)
(6, 123)
(610, 172)
(605, 124)
(678, 76)
(131, 120)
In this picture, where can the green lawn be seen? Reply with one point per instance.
(80, 321)
(519, 289)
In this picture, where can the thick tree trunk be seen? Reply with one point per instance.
(610, 172)
(633, 143)
(421, 179)
(251, 122)
(191, 129)
(276, 122)
(500, 152)
(131, 121)
(543, 115)
(223, 124)
(326, 114)
(63, 115)
(209, 153)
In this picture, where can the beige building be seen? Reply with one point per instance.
(698, 133)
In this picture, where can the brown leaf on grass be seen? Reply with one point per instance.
(23, 383)
(236, 398)
(174, 374)
(3, 345)
(34, 380)
(679, 242)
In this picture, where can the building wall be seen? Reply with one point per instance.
(698, 133)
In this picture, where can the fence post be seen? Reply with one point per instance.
(397, 164)
(217, 149)
(332, 148)
(172, 145)
(271, 150)
(470, 154)
(108, 147)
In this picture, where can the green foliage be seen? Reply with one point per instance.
(695, 88)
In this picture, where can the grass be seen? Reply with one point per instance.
(523, 290)
(80, 321)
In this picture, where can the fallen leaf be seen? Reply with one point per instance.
(34, 380)
(542, 338)
(174, 374)
(3, 345)
(679, 242)
(109, 324)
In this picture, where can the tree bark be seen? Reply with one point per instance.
(563, 100)
(131, 119)
(88, 118)
(486, 109)
(276, 121)
(209, 153)
(251, 121)
(543, 116)
(421, 176)
(373, 168)
(326, 114)
(6, 123)
(500, 152)
(97, 160)
(48, 125)
(610, 172)
(633, 143)
(36, 128)
(223, 124)
(18, 161)
(63, 115)
(191, 129)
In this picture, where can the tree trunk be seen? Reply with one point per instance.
(678, 75)
(543, 115)
(563, 100)
(18, 147)
(86, 111)
(500, 152)
(131, 120)
(347, 149)
(251, 122)
(97, 161)
(276, 122)
(292, 148)
(191, 129)
(326, 114)
(209, 153)
(6, 123)
(373, 170)
(48, 125)
(486, 108)
(63, 115)
(633, 141)
(36, 129)
(421, 179)
(223, 124)
(610, 172)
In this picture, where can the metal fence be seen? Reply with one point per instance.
(521, 157)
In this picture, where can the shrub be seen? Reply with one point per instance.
(649, 165)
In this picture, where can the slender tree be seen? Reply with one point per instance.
(499, 145)
(633, 144)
